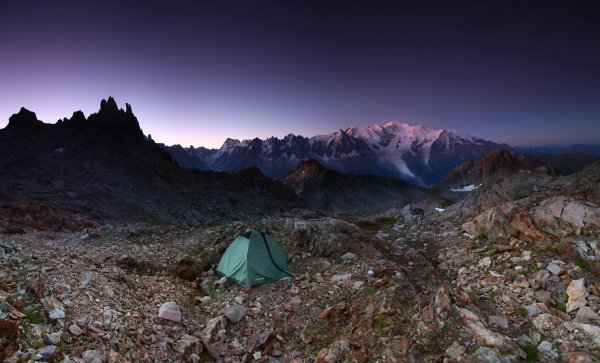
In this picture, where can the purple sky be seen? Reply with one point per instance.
(196, 72)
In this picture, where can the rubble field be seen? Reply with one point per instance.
(398, 288)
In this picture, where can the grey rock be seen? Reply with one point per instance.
(554, 268)
(455, 350)
(53, 307)
(170, 311)
(349, 256)
(340, 278)
(53, 338)
(499, 321)
(487, 355)
(585, 315)
(235, 313)
(75, 330)
(544, 346)
(49, 353)
(92, 356)
(485, 262)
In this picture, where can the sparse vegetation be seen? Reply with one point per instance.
(531, 352)
(380, 322)
(552, 249)
(377, 225)
(34, 316)
(482, 237)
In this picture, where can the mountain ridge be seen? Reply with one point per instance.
(416, 153)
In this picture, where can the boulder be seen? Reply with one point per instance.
(483, 335)
(503, 221)
(577, 295)
(561, 216)
(328, 237)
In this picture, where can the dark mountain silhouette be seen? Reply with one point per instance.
(104, 164)
(326, 190)
(498, 164)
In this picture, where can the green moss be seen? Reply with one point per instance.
(34, 316)
(377, 225)
(310, 351)
(531, 352)
(321, 327)
(380, 322)
(369, 290)
(552, 249)
(582, 265)
(37, 345)
(482, 237)
(521, 311)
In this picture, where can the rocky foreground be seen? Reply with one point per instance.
(397, 287)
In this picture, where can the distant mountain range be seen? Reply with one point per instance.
(418, 154)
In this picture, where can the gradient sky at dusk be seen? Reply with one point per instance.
(195, 72)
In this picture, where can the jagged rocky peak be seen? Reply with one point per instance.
(310, 166)
(109, 106)
(230, 143)
(78, 116)
(24, 121)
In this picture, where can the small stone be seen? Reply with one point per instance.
(543, 296)
(340, 278)
(349, 256)
(108, 292)
(554, 268)
(296, 300)
(532, 310)
(455, 350)
(485, 262)
(235, 313)
(294, 289)
(170, 311)
(50, 353)
(53, 338)
(544, 346)
(92, 356)
(577, 294)
(75, 330)
(53, 307)
(85, 278)
(486, 354)
(357, 285)
(499, 321)
(579, 357)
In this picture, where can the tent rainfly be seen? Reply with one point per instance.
(254, 258)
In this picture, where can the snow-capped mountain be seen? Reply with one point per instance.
(418, 153)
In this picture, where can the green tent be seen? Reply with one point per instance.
(254, 258)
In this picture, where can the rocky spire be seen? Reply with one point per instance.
(109, 106)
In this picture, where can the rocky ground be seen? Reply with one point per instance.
(397, 287)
